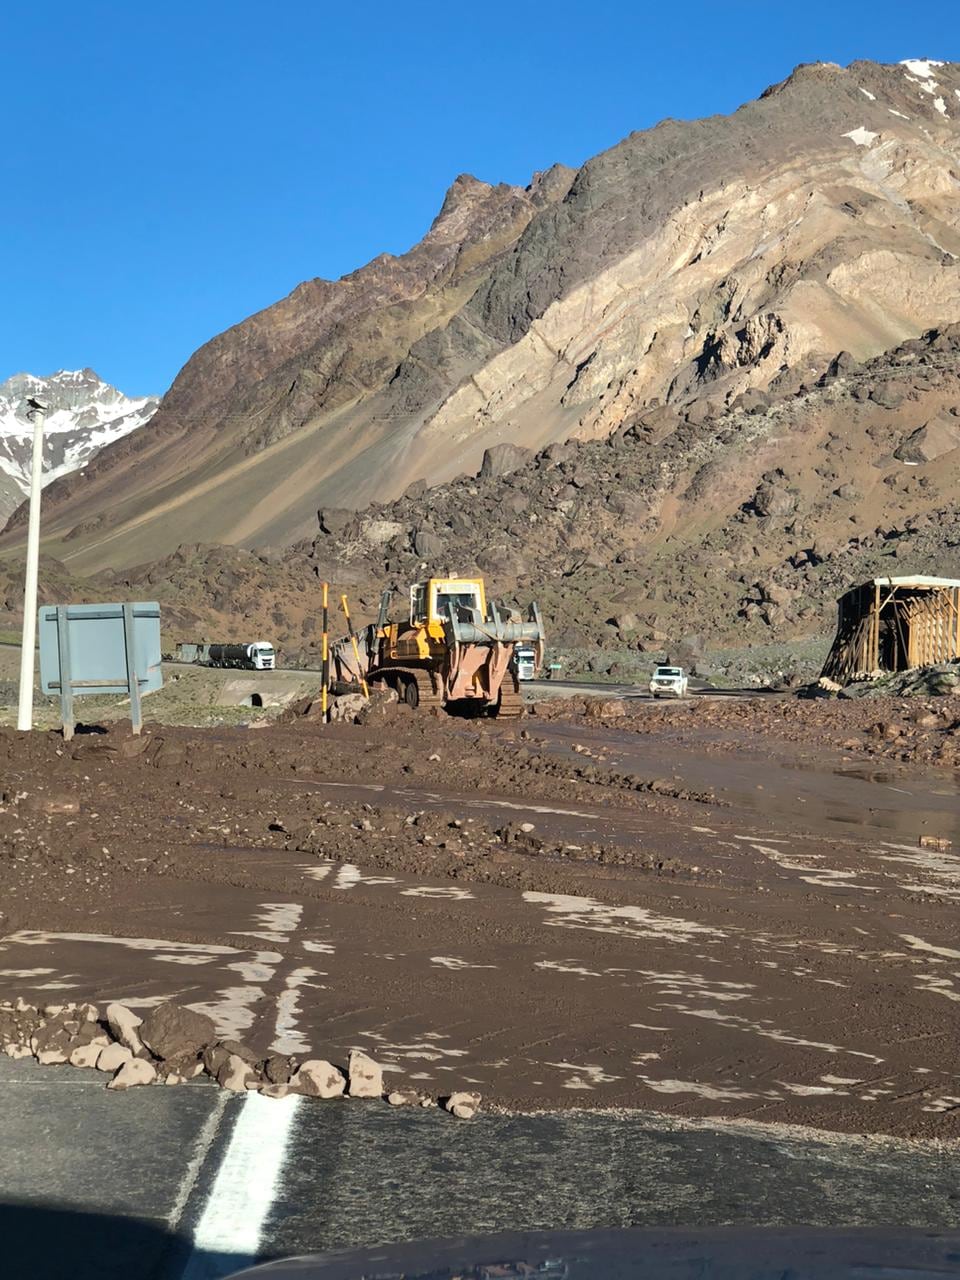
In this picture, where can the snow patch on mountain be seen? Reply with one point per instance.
(861, 137)
(922, 67)
(86, 413)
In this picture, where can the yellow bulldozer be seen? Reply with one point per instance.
(452, 650)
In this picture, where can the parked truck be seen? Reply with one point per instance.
(259, 655)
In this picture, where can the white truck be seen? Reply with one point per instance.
(669, 682)
(525, 662)
(258, 656)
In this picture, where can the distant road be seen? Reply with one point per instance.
(534, 689)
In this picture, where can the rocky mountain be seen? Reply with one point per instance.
(687, 265)
(686, 531)
(693, 529)
(86, 414)
(700, 527)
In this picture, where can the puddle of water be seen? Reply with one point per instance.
(937, 986)
(918, 944)
(42, 938)
(288, 1038)
(574, 912)
(568, 966)
(770, 1033)
(436, 891)
(585, 1077)
(276, 921)
(427, 1049)
(349, 876)
(231, 1010)
(231, 1007)
(260, 969)
(810, 872)
(716, 1093)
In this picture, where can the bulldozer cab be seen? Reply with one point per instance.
(430, 601)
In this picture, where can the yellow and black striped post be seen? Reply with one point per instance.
(353, 640)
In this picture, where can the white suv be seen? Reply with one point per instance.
(669, 682)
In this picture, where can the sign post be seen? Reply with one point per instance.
(38, 410)
(133, 682)
(66, 672)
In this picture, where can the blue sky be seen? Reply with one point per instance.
(172, 167)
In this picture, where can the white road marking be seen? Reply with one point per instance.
(195, 1163)
(229, 1232)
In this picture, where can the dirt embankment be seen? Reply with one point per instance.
(912, 732)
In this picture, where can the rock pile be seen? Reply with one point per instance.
(173, 1044)
(941, 680)
(347, 708)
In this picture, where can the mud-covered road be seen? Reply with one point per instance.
(717, 911)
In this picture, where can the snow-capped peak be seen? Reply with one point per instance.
(922, 67)
(85, 414)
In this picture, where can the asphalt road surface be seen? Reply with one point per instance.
(193, 1183)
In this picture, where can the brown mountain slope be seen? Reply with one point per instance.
(242, 418)
(741, 526)
(696, 259)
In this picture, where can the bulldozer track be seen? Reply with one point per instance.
(427, 695)
(401, 679)
(511, 704)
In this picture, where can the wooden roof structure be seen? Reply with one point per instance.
(893, 624)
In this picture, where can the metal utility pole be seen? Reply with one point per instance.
(38, 411)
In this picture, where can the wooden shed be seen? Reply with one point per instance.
(892, 624)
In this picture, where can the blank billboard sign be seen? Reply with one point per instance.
(88, 649)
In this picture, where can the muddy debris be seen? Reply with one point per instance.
(279, 1068)
(113, 1057)
(365, 1076)
(463, 1105)
(123, 1024)
(237, 1075)
(133, 1073)
(171, 1054)
(423, 853)
(409, 1098)
(171, 1031)
(317, 1078)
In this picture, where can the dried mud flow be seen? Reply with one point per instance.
(738, 910)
